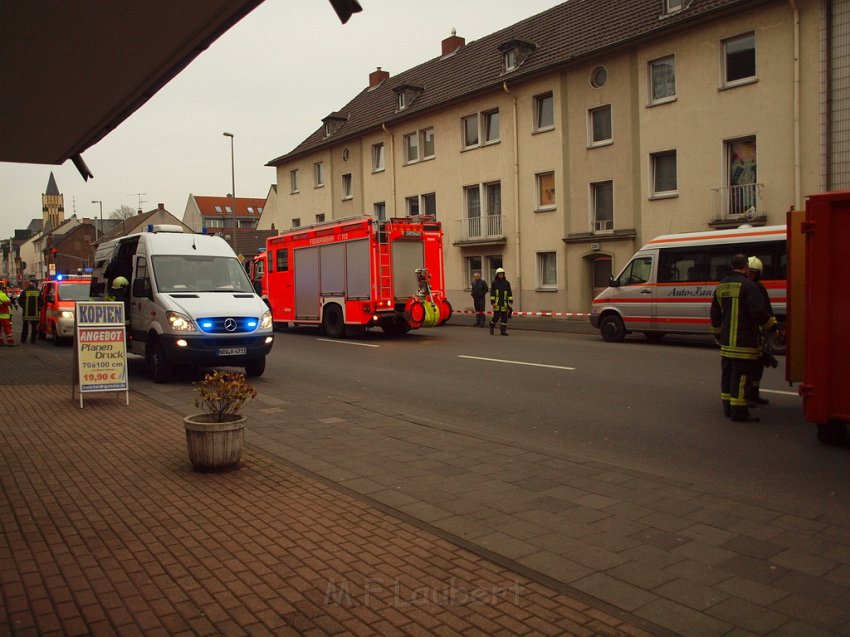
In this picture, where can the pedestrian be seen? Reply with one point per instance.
(6, 336)
(738, 313)
(501, 298)
(479, 291)
(30, 300)
(766, 358)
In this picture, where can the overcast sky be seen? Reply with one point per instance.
(269, 81)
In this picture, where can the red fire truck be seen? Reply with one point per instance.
(354, 273)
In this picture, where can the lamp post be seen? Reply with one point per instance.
(232, 167)
(97, 235)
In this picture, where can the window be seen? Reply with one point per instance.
(544, 112)
(377, 158)
(380, 210)
(411, 148)
(491, 126)
(320, 217)
(282, 258)
(250, 210)
(215, 223)
(546, 191)
(662, 80)
(296, 222)
(672, 6)
(293, 181)
(682, 264)
(471, 266)
(346, 186)
(427, 143)
(599, 125)
(602, 196)
(472, 197)
(637, 272)
(739, 60)
(218, 209)
(598, 77)
(228, 210)
(470, 131)
(742, 177)
(429, 204)
(246, 223)
(664, 173)
(509, 60)
(319, 174)
(493, 198)
(411, 205)
(547, 270)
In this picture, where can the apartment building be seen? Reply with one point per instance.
(556, 147)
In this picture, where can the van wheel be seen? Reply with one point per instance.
(332, 321)
(158, 368)
(776, 339)
(256, 367)
(612, 328)
(833, 434)
(654, 337)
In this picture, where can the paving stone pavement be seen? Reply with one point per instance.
(106, 530)
(657, 555)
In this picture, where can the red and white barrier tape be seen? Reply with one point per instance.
(580, 314)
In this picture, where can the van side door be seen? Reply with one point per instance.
(684, 291)
(634, 293)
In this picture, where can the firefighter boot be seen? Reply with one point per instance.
(742, 414)
(492, 328)
(503, 329)
(727, 409)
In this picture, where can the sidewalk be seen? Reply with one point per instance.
(107, 530)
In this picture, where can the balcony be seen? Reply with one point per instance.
(734, 205)
(480, 230)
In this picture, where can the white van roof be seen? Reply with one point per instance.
(715, 237)
(187, 243)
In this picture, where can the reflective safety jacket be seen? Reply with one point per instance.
(500, 294)
(29, 301)
(5, 306)
(738, 311)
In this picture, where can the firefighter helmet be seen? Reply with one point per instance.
(500, 270)
(119, 282)
(755, 264)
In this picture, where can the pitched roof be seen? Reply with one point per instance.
(567, 33)
(134, 223)
(217, 206)
(51, 185)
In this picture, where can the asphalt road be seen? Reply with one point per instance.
(651, 407)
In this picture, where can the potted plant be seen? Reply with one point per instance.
(214, 438)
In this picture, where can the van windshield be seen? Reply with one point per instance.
(74, 291)
(197, 273)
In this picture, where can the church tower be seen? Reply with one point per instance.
(52, 206)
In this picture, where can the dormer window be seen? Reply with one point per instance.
(514, 53)
(406, 94)
(673, 6)
(332, 123)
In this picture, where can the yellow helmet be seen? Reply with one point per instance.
(119, 282)
(755, 264)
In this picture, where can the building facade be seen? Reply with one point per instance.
(558, 146)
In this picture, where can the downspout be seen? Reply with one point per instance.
(517, 241)
(392, 165)
(796, 91)
(827, 175)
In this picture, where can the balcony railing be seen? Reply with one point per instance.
(480, 228)
(737, 202)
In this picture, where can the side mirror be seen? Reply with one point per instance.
(142, 288)
(612, 282)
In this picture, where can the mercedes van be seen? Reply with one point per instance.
(667, 286)
(189, 301)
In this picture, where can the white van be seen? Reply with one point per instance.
(189, 303)
(667, 286)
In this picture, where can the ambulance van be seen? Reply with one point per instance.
(189, 301)
(667, 286)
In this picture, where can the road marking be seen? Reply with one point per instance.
(331, 340)
(776, 391)
(499, 360)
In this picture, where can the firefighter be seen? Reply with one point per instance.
(501, 298)
(738, 313)
(119, 291)
(6, 335)
(29, 300)
(766, 359)
(479, 291)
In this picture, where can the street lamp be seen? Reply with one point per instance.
(98, 235)
(232, 167)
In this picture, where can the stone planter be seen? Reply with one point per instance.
(214, 446)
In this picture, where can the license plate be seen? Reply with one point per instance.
(232, 351)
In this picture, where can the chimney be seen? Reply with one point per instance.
(452, 43)
(376, 77)
(160, 206)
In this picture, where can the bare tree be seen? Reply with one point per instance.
(124, 212)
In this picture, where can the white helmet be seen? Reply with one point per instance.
(500, 270)
(755, 264)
